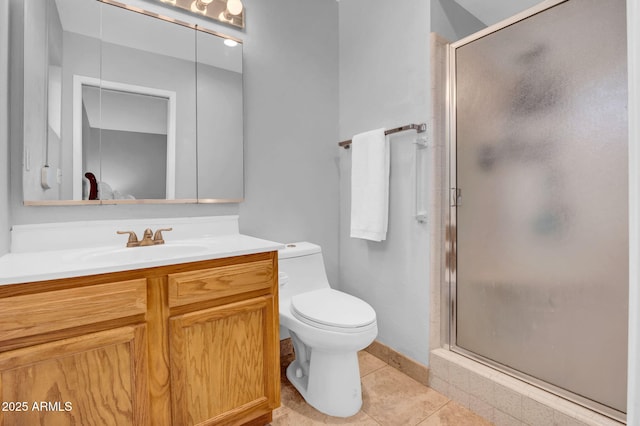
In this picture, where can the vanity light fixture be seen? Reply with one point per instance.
(224, 17)
(200, 6)
(234, 7)
(230, 12)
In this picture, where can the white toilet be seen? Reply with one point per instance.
(327, 328)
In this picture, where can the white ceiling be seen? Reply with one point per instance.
(494, 11)
(125, 111)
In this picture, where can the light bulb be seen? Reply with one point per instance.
(198, 7)
(230, 43)
(206, 2)
(234, 7)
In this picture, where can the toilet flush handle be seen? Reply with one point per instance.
(283, 278)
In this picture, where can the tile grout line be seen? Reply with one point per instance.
(373, 371)
(448, 400)
(371, 417)
(435, 412)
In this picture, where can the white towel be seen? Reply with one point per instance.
(370, 185)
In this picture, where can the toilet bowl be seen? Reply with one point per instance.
(327, 329)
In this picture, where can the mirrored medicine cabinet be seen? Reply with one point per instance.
(124, 106)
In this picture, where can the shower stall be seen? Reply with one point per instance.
(538, 223)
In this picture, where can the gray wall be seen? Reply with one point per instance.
(452, 21)
(384, 82)
(290, 104)
(291, 111)
(4, 128)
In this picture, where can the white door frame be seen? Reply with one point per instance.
(82, 80)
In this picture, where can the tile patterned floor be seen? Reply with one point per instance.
(389, 398)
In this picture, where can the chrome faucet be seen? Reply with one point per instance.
(147, 239)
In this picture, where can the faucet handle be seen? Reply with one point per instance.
(157, 237)
(133, 238)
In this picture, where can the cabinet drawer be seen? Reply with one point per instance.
(32, 314)
(216, 283)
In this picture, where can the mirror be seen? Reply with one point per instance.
(144, 57)
(219, 112)
(126, 139)
(138, 109)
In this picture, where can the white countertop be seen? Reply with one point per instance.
(47, 252)
(53, 264)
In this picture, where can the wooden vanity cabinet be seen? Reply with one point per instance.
(74, 353)
(185, 344)
(224, 344)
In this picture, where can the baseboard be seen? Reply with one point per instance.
(400, 362)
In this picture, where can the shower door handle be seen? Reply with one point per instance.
(456, 197)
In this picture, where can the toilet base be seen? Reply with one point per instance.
(332, 385)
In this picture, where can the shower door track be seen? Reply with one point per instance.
(541, 384)
(450, 245)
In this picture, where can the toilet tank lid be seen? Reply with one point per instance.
(302, 248)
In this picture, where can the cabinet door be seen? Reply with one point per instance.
(224, 363)
(94, 379)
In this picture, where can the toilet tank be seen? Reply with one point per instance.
(300, 269)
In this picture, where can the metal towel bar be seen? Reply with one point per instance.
(420, 128)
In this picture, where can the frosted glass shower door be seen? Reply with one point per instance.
(540, 123)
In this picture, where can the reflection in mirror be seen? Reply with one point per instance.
(58, 37)
(229, 12)
(145, 55)
(220, 159)
(124, 140)
(105, 69)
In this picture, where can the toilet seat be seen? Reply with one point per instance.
(334, 310)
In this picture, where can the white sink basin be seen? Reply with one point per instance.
(144, 254)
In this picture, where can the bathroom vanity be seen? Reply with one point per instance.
(181, 341)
